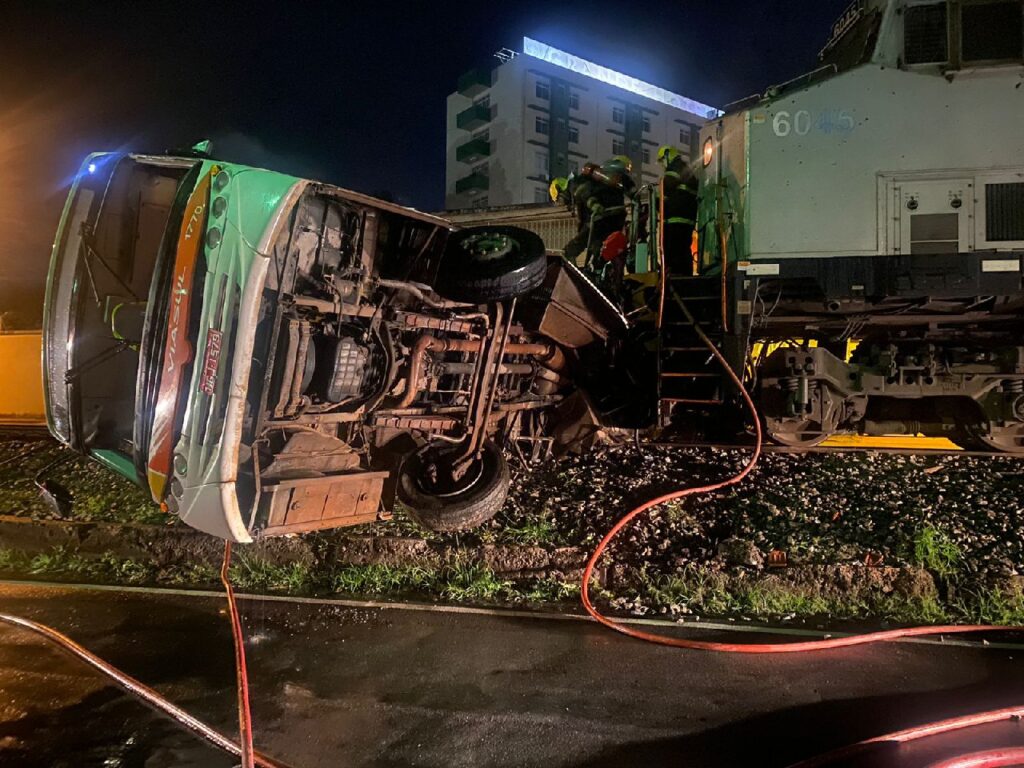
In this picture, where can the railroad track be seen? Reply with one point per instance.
(927, 447)
(786, 449)
(23, 431)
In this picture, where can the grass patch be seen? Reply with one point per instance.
(190, 575)
(531, 531)
(464, 580)
(459, 580)
(377, 579)
(548, 591)
(691, 590)
(65, 563)
(773, 600)
(252, 574)
(995, 605)
(697, 589)
(936, 551)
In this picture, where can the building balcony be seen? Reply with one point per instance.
(473, 184)
(474, 82)
(475, 117)
(473, 150)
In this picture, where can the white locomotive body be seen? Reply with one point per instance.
(880, 199)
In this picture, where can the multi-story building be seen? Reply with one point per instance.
(543, 113)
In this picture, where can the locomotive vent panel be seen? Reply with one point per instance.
(934, 216)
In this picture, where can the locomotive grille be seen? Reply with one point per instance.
(934, 233)
(1004, 212)
(993, 31)
(924, 29)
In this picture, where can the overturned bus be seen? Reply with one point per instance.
(268, 355)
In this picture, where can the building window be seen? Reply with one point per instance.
(618, 115)
(541, 125)
(481, 168)
(540, 195)
(543, 90)
(647, 155)
(618, 147)
(574, 100)
(481, 202)
(574, 134)
(647, 124)
(574, 167)
(541, 164)
(684, 136)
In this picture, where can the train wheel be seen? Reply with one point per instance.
(1006, 439)
(968, 440)
(813, 427)
(798, 433)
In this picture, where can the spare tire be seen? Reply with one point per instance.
(440, 504)
(484, 264)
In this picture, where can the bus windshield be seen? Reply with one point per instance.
(99, 290)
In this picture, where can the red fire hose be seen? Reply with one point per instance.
(800, 647)
(995, 758)
(241, 668)
(250, 758)
(988, 759)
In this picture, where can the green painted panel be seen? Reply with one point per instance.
(116, 462)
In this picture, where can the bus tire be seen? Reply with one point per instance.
(485, 264)
(466, 505)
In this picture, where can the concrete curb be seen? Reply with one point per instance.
(169, 545)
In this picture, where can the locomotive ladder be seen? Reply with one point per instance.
(689, 379)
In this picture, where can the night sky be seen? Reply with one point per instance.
(348, 92)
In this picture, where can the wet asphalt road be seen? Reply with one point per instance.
(346, 687)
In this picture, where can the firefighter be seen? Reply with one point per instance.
(598, 198)
(680, 211)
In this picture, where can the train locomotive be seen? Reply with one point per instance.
(861, 238)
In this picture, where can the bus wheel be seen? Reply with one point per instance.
(441, 502)
(485, 264)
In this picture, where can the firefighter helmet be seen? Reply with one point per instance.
(619, 164)
(667, 155)
(558, 188)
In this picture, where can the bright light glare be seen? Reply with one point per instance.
(92, 167)
(552, 55)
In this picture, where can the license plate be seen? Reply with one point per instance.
(208, 382)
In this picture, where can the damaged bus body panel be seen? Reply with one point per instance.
(272, 355)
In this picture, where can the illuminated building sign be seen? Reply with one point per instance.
(559, 58)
